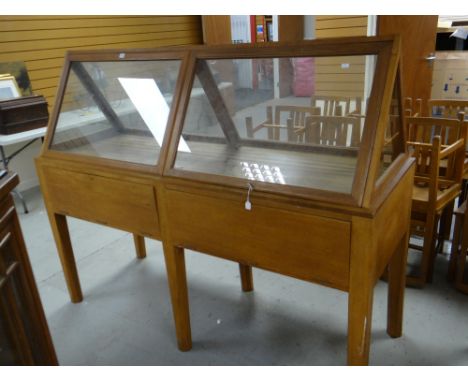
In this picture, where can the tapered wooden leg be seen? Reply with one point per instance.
(65, 251)
(396, 288)
(359, 325)
(175, 266)
(246, 277)
(139, 246)
(361, 292)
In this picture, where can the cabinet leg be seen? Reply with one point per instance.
(396, 288)
(62, 239)
(175, 266)
(359, 325)
(139, 246)
(246, 277)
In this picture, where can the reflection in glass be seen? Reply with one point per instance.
(303, 117)
(116, 110)
(393, 141)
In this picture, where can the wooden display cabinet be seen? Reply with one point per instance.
(156, 150)
(24, 334)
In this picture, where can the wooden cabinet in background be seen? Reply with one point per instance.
(24, 334)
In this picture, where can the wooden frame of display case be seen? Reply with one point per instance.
(338, 240)
(133, 206)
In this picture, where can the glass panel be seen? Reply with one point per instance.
(393, 141)
(295, 121)
(116, 110)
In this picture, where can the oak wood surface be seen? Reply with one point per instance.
(116, 203)
(139, 246)
(416, 71)
(338, 239)
(203, 224)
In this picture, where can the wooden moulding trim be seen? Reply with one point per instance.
(351, 45)
(375, 123)
(83, 163)
(387, 183)
(391, 79)
(180, 112)
(275, 200)
(166, 144)
(98, 56)
(58, 101)
(267, 188)
(9, 185)
(315, 48)
(126, 54)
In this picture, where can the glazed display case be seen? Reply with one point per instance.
(192, 147)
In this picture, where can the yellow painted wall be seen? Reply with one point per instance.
(41, 41)
(331, 78)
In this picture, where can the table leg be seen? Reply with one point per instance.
(21, 198)
(65, 250)
(246, 277)
(175, 266)
(139, 246)
(5, 161)
(396, 288)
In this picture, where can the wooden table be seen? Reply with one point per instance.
(29, 136)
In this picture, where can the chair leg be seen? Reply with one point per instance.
(429, 267)
(427, 253)
(445, 227)
(454, 253)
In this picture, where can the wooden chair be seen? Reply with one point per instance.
(451, 108)
(447, 108)
(335, 105)
(292, 119)
(438, 145)
(459, 251)
(332, 131)
(413, 108)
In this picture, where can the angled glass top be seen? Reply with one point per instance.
(116, 110)
(294, 121)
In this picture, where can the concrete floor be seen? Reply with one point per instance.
(126, 316)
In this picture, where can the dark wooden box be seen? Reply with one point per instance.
(22, 114)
